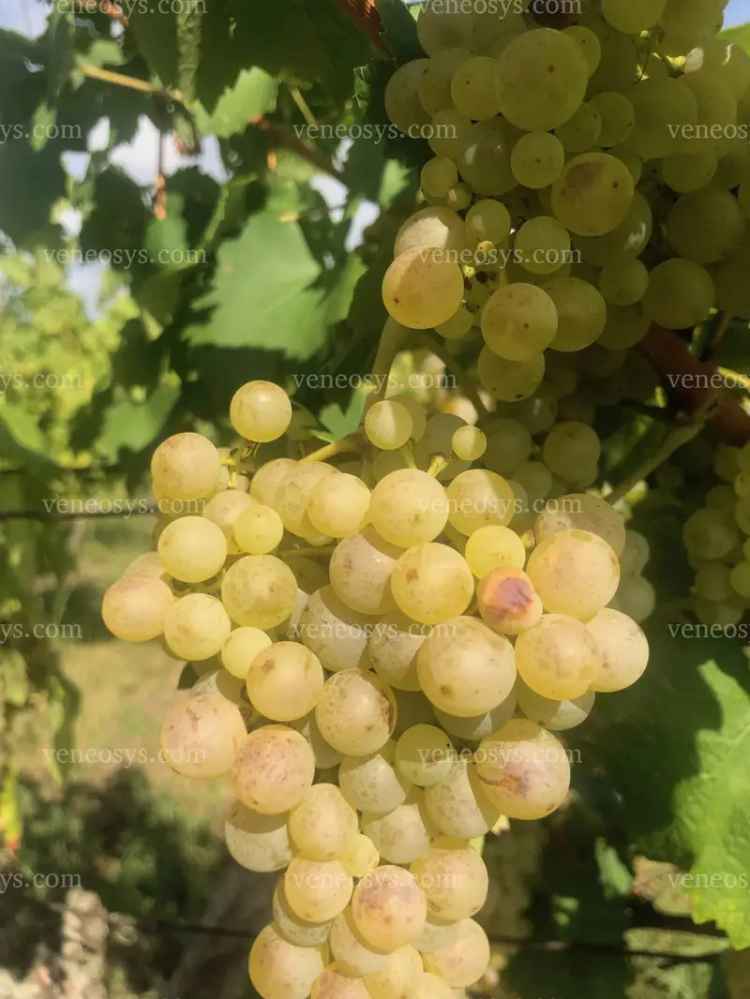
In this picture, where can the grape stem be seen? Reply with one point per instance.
(345, 446)
(391, 341)
(438, 464)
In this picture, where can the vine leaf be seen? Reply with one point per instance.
(253, 95)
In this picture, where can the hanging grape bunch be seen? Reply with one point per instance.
(392, 633)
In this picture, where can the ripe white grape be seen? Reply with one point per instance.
(223, 509)
(593, 194)
(458, 806)
(510, 381)
(392, 650)
(398, 978)
(494, 547)
(464, 960)
(478, 727)
(588, 44)
(581, 313)
(432, 987)
(432, 583)
(636, 598)
(509, 445)
(409, 507)
(361, 856)
(267, 481)
(136, 606)
(457, 327)
(537, 159)
(300, 932)
(519, 321)
(185, 467)
(356, 713)
(618, 117)
(258, 530)
(436, 226)
(257, 842)
(423, 288)
(438, 176)
(259, 591)
(400, 836)
(623, 648)
(438, 29)
(260, 411)
(488, 220)
(279, 969)
(508, 602)
(360, 572)
(239, 650)
(196, 627)
(585, 512)
(388, 425)
(574, 572)
(524, 770)
(354, 956)
(424, 755)
(680, 294)
(192, 549)
(317, 890)
(201, 734)
(570, 447)
(558, 658)
(485, 158)
(473, 88)
(294, 495)
(389, 908)
(434, 87)
(455, 881)
(557, 716)
(480, 498)
(331, 984)
(371, 783)
(285, 681)
(469, 443)
(542, 247)
(465, 669)
(274, 770)
(326, 757)
(705, 226)
(339, 505)
(323, 825)
(334, 632)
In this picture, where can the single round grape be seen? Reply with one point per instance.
(458, 806)
(542, 246)
(352, 953)
(259, 591)
(300, 932)
(135, 608)
(388, 425)
(541, 79)
(688, 172)
(424, 755)
(473, 88)
(680, 294)
(361, 856)
(192, 549)
(623, 647)
(432, 987)
(432, 583)
(519, 321)
(260, 411)
(439, 29)
(360, 571)
(558, 658)
(279, 969)
(705, 226)
(326, 757)
(618, 117)
(434, 86)
(636, 598)
(398, 978)
(585, 512)
(409, 507)
(623, 282)
(479, 498)
(469, 443)
(273, 770)
(478, 726)
(593, 194)
(389, 908)
(323, 825)
(266, 483)
(257, 842)
(400, 836)
(494, 547)
(554, 715)
(392, 650)
(713, 582)
(196, 627)
(201, 734)
(294, 495)
(509, 444)
(339, 505)
(334, 632)
(464, 960)
(223, 509)
(185, 467)
(239, 650)
(457, 327)
(356, 712)
(423, 288)
(438, 176)
(284, 681)
(537, 159)
(588, 44)
(536, 479)
(524, 770)
(317, 890)
(488, 220)
(582, 131)
(436, 226)
(508, 602)
(575, 573)
(402, 103)
(709, 534)
(510, 381)
(581, 311)
(258, 530)
(569, 448)
(484, 162)
(455, 882)
(333, 985)
(371, 783)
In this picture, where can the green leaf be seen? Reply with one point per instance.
(20, 438)
(156, 34)
(739, 35)
(189, 28)
(253, 95)
(14, 680)
(135, 425)
(339, 422)
(270, 292)
(37, 180)
(60, 55)
(159, 296)
(399, 30)
(676, 747)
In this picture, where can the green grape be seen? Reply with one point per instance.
(473, 88)
(424, 756)
(494, 547)
(541, 79)
(554, 715)
(260, 411)
(633, 16)
(458, 198)
(370, 783)
(569, 448)
(485, 158)
(409, 507)
(258, 530)
(434, 86)
(519, 321)
(438, 29)
(588, 44)
(196, 627)
(619, 66)
(392, 651)
(421, 289)
(583, 130)
(455, 881)
(432, 583)
(574, 572)
(257, 842)
(558, 658)
(465, 669)
(593, 195)
(725, 615)
(625, 328)
(623, 647)
(581, 313)
(686, 173)
(389, 908)
(623, 281)
(402, 103)
(201, 734)
(662, 108)
(617, 115)
(469, 443)
(740, 579)
(631, 237)
(293, 499)
(636, 598)
(239, 650)
(680, 294)
(339, 505)
(488, 221)
(438, 176)
(449, 133)
(436, 226)
(356, 712)
(259, 591)
(510, 381)
(536, 479)
(537, 159)
(281, 970)
(273, 770)
(508, 602)
(185, 467)
(709, 534)
(456, 328)
(543, 246)
(333, 631)
(705, 226)
(478, 498)
(732, 286)
(401, 836)
(388, 425)
(135, 608)
(457, 807)
(508, 446)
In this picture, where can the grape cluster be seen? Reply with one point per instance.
(386, 635)
(586, 181)
(717, 538)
